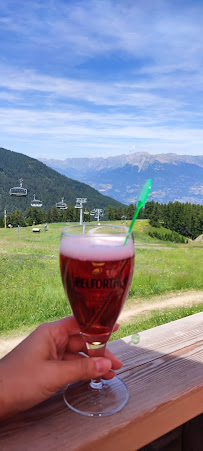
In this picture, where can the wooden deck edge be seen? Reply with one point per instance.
(151, 425)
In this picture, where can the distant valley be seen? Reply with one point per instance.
(175, 177)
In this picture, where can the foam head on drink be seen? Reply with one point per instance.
(96, 273)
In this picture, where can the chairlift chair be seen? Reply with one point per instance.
(62, 205)
(36, 202)
(18, 191)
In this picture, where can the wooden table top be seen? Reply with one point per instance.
(164, 376)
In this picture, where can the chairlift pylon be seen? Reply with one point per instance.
(97, 212)
(18, 191)
(80, 201)
(79, 204)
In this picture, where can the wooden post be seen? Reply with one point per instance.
(5, 218)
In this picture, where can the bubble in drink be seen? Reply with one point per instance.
(96, 274)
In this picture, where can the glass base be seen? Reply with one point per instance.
(93, 402)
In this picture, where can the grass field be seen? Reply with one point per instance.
(153, 319)
(30, 284)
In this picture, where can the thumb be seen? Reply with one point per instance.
(80, 369)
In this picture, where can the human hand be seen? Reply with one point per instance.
(44, 362)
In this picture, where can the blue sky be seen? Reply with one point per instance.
(101, 77)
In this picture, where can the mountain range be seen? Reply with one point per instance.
(48, 185)
(174, 177)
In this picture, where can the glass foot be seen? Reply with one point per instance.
(88, 401)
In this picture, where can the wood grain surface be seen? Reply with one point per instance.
(164, 376)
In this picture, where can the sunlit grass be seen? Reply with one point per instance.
(158, 271)
(153, 319)
(30, 283)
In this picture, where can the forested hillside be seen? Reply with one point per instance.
(184, 219)
(48, 185)
(170, 222)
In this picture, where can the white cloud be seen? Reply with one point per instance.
(10, 96)
(159, 30)
(146, 90)
(98, 93)
(94, 130)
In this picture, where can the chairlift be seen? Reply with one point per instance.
(18, 191)
(97, 212)
(80, 201)
(36, 202)
(62, 205)
(86, 212)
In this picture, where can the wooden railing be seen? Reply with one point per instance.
(164, 375)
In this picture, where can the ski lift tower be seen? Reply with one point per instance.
(79, 204)
(97, 212)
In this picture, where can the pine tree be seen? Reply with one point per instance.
(131, 211)
(1, 222)
(111, 213)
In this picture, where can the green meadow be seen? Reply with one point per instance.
(30, 283)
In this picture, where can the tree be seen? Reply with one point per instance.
(54, 214)
(111, 213)
(155, 215)
(16, 218)
(86, 217)
(119, 213)
(48, 216)
(70, 213)
(148, 209)
(130, 211)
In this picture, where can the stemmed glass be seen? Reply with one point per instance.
(96, 269)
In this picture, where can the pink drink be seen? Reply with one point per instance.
(96, 274)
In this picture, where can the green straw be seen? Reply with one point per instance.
(140, 203)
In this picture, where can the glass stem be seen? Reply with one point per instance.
(96, 384)
(96, 349)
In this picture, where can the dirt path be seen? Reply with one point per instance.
(182, 300)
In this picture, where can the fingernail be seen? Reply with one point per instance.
(102, 365)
